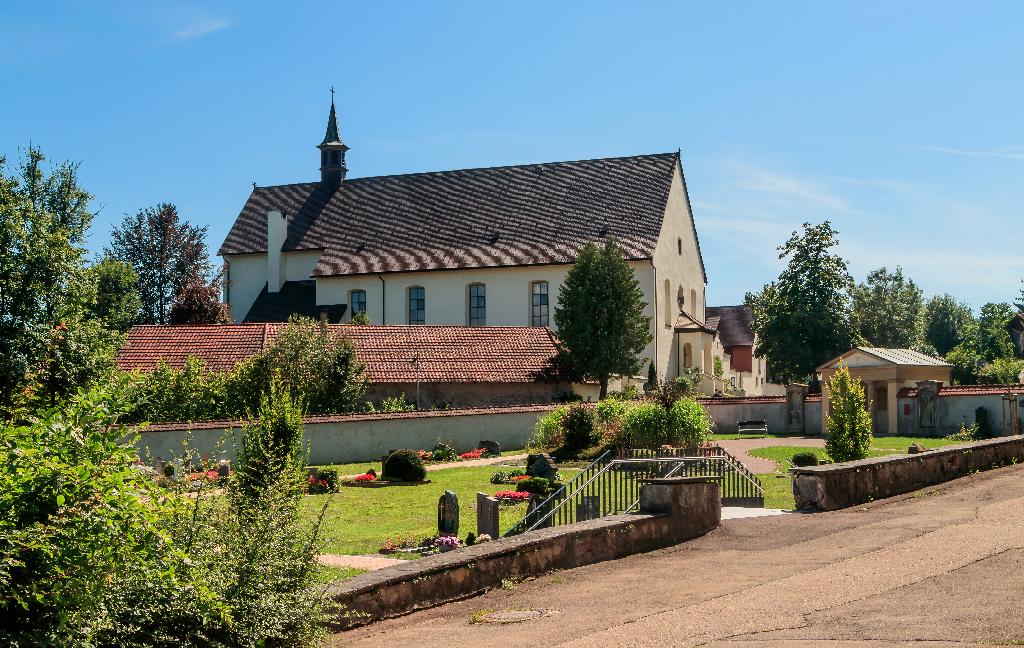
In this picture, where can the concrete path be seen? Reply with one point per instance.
(940, 567)
(743, 512)
(739, 447)
(369, 563)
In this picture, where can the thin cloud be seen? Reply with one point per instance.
(756, 178)
(200, 27)
(1006, 153)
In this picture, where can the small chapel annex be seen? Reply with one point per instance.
(473, 247)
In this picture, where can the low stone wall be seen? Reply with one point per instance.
(836, 486)
(726, 412)
(672, 510)
(956, 406)
(357, 437)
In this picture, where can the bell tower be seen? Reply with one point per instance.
(332, 152)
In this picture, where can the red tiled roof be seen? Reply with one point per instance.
(966, 390)
(486, 354)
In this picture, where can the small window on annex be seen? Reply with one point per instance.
(477, 305)
(417, 305)
(357, 301)
(539, 303)
(687, 355)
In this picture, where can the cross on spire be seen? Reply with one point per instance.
(332, 95)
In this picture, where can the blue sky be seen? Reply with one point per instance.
(900, 121)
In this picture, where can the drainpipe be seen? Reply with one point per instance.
(383, 300)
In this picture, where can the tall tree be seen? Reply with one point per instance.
(165, 252)
(889, 309)
(117, 300)
(49, 340)
(993, 338)
(600, 316)
(806, 316)
(198, 302)
(948, 324)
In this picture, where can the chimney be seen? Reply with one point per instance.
(277, 232)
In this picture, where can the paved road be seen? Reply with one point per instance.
(942, 567)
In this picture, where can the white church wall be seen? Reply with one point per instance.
(299, 265)
(247, 275)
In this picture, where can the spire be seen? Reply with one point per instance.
(332, 152)
(332, 136)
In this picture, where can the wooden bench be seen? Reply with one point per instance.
(752, 427)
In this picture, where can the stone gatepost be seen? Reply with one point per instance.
(927, 406)
(796, 395)
(487, 509)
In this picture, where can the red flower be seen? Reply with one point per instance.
(520, 478)
(512, 496)
(470, 455)
(211, 474)
(365, 478)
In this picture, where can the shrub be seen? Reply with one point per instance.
(1001, 371)
(505, 477)
(848, 423)
(548, 431)
(966, 434)
(628, 393)
(578, 430)
(443, 452)
(271, 450)
(690, 423)
(610, 410)
(644, 425)
(535, 485)
(805, 459)
(404, 465)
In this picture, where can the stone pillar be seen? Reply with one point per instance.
(487, 510)
(893, 387)
(796, 394)
(927, 406)
(824, 408)
(693, 504)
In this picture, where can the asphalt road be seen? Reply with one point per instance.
(940, 567)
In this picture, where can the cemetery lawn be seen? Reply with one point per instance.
(360, 467)
(359, 520)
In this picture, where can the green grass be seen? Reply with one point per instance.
(783, 454)
(359, 520)
(880, 447)
(334, 574)
(360, 467)
(778, 491)
(770, 435)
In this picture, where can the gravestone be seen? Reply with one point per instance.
(796, 395)
(448, 514)
(927, 395)
(223, 468)
(492, 447)
(588, 508)
(541, 465)
(535, 511)
(486, 515)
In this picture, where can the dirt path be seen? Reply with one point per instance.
(739, 448)
(941, 567)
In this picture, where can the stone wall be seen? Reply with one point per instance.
(956, 406)
(672, 510)
(726, 412)
(358, 437)
(471, 395)
(836, 486)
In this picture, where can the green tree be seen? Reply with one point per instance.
(117, 300)
(50, 340)
(967, 363)
(602, 327)
(806, 316)
(1002, 371)
(271, 452)
(949, 323)
(848, 423)
(889, 309)
(165, 253)
(993, 338)
(198, 302)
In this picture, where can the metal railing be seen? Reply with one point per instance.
(610, 486)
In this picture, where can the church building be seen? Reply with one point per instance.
(472, 247)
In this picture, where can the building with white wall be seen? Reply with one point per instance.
(475, 247)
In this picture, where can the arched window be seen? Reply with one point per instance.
(417, 305)
(357, 301)
(680, 298)
(687, 355)
(679, 245)
(669, 315)
(477, 304)
(539, 303)
(693, 302)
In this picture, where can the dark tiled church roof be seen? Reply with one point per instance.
(294, 298)
(475, 218)
(734, 323)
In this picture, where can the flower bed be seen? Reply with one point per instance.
(512, 497)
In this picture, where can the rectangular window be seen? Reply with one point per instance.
(539, 303)
(357, 301)
(417, 305)
(477, 305)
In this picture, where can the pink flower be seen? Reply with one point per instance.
(470, 455)
(512, 496)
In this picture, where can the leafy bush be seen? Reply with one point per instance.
(578, 430)
(505, 476)
(966, 434)
(610, 410)
(548, 431)
(535, 485)
(628, 393)
(805, 459)
(1001, 371)
(690, 423)
(271, 449)
(645, 425)
(443, 452)
(191, 393)
(848, 423)
(404, 465)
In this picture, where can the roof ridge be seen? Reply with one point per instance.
(483, 168)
